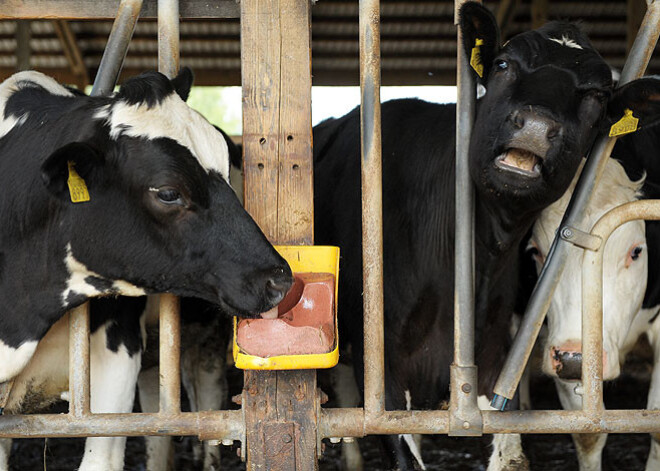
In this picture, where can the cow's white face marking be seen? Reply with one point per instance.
(13, 360)
(14, 84)
(624, 283)
(78, 284)
(566, 41)
(173, 119)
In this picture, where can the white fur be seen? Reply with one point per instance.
(507, 447)
(14, 84)
(566, 41)
(408, 438)
(13, 360)
(623, 288)
(173, 119)
(77, 283)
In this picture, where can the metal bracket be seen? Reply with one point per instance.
(580, 238)
(464, 415)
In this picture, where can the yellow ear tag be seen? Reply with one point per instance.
(475, 58)
(625, 125)
(77, 187)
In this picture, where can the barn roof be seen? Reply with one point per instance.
(418, 40)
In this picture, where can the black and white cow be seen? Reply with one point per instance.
(547, 95)
(160, 217)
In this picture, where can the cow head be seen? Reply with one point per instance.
(548, 94)
(624, 280)
(161, 215)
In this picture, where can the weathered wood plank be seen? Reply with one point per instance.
(95, 9)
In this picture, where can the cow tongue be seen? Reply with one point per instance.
(522, 159)
(272, 314)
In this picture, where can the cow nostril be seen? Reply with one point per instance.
(517, 119)
(276, 290)
(568, 364)
(554, 131)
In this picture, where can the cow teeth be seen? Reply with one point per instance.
(271, 314)
(519, 161)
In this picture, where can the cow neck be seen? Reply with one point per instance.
(499, 230)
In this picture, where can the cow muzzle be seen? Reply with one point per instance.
(532, 138)
(566, 361)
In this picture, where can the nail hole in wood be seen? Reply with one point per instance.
(262, 141)
(260, 165)
(296, 166)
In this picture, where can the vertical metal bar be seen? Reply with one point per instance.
(23, 50)
(117, 47)
(79, 401)
(592, 329)
(170, 334)
(636, 64)
(372, 209)
(465, 418)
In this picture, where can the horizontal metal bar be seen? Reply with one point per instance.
(107, 9)
(349, 422)
(216, 425)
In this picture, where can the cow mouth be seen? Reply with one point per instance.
(521, 162)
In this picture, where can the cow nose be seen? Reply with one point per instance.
(277, 285)
(567, 365)
(533, 132)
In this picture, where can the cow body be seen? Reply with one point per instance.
(547, 91)
(161, 217)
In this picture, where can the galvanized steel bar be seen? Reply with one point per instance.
(79, 362)
(592, 297)
(220, 425)
(117, 47)
(168, 37)
(372, 210)
(636, 64)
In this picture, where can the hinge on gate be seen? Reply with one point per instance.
(580, 238)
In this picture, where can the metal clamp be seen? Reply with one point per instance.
(580, 238)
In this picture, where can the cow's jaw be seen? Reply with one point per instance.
(520, 162)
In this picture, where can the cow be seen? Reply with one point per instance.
(159, 216)
(548, 93)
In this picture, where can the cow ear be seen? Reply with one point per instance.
(86, 160)
(182, 83)
(480, 31)
(641, 97)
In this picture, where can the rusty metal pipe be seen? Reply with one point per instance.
(79, 401)
(592, 296)
(117, 47)
(170, 354)
(206, 425)
(372, 210)
(538, 305)
(168, 37)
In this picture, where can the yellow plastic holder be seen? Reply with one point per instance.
(301, 259)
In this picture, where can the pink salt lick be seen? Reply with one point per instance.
(305, 321)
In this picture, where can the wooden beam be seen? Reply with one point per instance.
(539, 13)
(635, 14)
(23, 49)
(279, 406)
(107, 9)
(72, 52)
(506, 11)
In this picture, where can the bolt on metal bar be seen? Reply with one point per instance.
(592, 297)
(117, 47)
(170, 322)
(372, 209)
(538, 305)
(79, 361)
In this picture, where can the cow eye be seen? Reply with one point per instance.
(633, 254)
(501, 64)
(169, 196)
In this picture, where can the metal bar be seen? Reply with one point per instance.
(79, 362)
(349, 422)
(372, 210)
(226, 424)
(168, 37)
(592, 297)
(539, 302)
(464, 411)
(107, 9)
(170, 355)
(117, 47)
(23, 50)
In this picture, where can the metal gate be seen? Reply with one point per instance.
(277, 148)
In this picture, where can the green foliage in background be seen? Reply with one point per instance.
(220, 105)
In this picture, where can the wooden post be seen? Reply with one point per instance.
(539, 13)
(280, 407)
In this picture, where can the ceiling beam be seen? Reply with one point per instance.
(72, 52)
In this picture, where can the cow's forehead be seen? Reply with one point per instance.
(173, 119)
(565, 46)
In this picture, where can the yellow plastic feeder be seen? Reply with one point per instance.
(304, 334)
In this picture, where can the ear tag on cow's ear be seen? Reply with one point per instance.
(475, 58)
(625, 125)
(77, 187)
